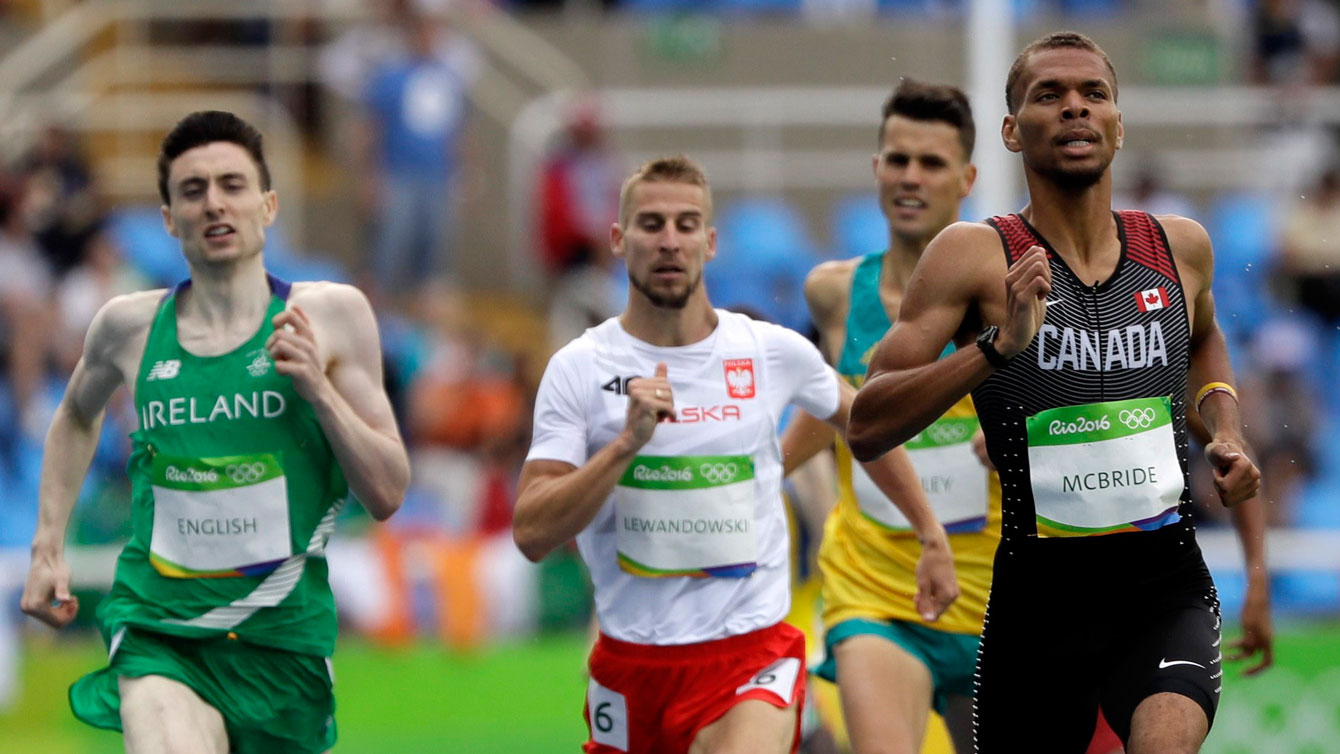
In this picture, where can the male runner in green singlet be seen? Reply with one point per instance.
(260, 409)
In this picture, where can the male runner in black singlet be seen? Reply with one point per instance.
(1080, 376)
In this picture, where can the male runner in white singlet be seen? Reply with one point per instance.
(656, 447)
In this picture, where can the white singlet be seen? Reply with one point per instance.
(729, 390)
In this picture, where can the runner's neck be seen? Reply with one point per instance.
(666, 327)
(1078, 224)
(221, 297)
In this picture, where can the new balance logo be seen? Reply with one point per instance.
(164, 370)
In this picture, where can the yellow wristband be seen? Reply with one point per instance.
(1214, 387)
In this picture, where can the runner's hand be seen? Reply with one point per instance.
(979, 448)
(1258, 635)
(937, 584)
(293, 347)
(46, 595)
(650, 399)
(1027, 284)
(1236, 478)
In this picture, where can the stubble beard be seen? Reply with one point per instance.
(662, 301)
(1076, 179)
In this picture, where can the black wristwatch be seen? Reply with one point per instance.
(986, 341)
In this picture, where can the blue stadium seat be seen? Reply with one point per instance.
(1242, 228)
(1306, 592)
(1232, 587)
(858, 225)
(764, 252)
(1319, 500)
(146, 245)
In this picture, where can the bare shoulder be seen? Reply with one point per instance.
(122, 320)
(331, 303)
(342, 318)
(959, 251)
(1188, 240)
(827, 287)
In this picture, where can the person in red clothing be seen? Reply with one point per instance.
(578, 193)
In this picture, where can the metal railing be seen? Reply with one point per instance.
(69, 72)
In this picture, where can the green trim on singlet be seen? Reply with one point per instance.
(867, 321)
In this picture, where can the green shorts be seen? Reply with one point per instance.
(951, 658)
(271, 700)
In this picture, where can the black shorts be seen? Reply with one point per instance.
(1065, 635)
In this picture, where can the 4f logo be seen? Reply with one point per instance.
(1152, 299)
(739, 377)
(164, 370)
(618, 385)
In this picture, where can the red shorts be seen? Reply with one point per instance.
(649, 699)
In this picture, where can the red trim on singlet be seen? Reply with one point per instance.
(1145, 243)
(1018, 239)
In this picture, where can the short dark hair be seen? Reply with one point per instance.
(922, 101)
(1057, 40)
(205, 127)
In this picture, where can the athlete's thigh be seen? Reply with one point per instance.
(958, 721)
(1037, 677)
(886, 695)
(1167, 723)
(1175, 651)
(750, 727)
(163, 716)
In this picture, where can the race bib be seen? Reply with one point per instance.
(686, 516)
(219, 517)
(1104, 468)
(953, 478)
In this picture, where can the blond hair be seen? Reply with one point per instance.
(676, 169)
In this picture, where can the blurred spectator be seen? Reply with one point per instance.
(100, 275)
(578, 201)
(347, 64)
(465, 395)
(61, 203)
(414, 113)
(25, 282)
(1295, 42)
(1308, 251)
(1149, 194)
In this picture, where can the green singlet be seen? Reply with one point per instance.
(235, 490)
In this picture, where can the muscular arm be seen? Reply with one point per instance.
(347, 395)
(896, 477)
(907, 386)
(1218, 425)
(826, 292)
(68, 451)
(1249, 521)
(556, 500)
(1235, 476)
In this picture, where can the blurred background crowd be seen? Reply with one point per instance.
(460, 161)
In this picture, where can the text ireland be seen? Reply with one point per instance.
(182, 411)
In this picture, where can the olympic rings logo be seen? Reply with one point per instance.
(1138, 418)
(245, 473)
(719, 473)
(948, 434)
